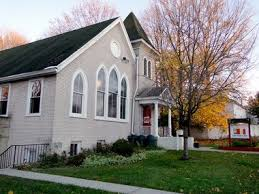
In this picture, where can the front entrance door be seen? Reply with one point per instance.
(147, 120)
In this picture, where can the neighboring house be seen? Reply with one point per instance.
(84, 86)
(235, 111)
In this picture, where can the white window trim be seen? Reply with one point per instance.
(28, 114)
(106, 85)
(106, 106)
(127, 98)
(144, 67)
(151, 73)
(114, 67)
(149, 61)
(8, 100)
(119, 47)
(83, 115)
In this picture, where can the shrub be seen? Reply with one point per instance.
(76, 160)
(25, 167)
(241, 144)
(96, 160)
(51, 160)
(103, 148)
(123, 148)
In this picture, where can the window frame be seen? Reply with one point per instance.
(145, 72)
(8, 99)
(126, 98)
(118, 94)
(28, 106)
(106, 105)
(82, 115)
(149, 67)
(102, 67)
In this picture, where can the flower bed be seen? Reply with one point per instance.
(246, 149)
(102, 160)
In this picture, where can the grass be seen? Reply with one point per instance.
(24, 186)
(206, 172)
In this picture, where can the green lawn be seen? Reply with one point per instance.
(206, 172)
(24, 186)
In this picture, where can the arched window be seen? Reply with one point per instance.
(123, 98)
(113, 94)
(79, 95)
(100, 93)
(149, 69)
(145, 67)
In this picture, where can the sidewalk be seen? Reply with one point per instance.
(209, 149)
(111, 187)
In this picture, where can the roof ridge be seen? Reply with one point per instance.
(58, 35)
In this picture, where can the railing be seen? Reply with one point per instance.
(17, 155)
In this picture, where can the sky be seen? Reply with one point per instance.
(31, 18)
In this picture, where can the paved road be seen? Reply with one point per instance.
(111, 187)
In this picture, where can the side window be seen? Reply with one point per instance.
(145, 67)
(113, 94)
(100, 84)
(149, 69)
(123, 99)
(35, 97)
(79, 93)
(4, 96)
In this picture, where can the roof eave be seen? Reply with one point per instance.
(148, 45)
(29, 75)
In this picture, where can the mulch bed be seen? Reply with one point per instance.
(248, 149)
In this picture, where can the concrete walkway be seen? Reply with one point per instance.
(209, 149)
(111, 187)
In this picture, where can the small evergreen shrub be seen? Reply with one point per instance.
(103, 148)
(241, 144)
(76, 160)
(122, 147)
(51, 160)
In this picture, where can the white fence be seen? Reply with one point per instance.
(174, 143)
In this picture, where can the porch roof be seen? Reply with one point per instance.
(160, 95)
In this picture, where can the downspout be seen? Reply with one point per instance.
(134, 97)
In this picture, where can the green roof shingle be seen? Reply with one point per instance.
(48, 52)
(135, 30)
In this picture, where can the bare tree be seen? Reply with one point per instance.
(9, 39)
(87, 12)
(205, 50)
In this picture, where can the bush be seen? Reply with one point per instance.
(96, 160)
(51, 160)
(76, 160)
(241, 144)
(103, 148)
(25, 167)
(123, 148)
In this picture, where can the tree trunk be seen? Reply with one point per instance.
(185, 145)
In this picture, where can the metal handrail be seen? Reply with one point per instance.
(17, 155)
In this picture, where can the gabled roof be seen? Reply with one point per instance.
(135, 30)
(48, 52)
(151, 92)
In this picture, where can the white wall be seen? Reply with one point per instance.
(89, 130)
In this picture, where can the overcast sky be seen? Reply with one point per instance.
(31, 18)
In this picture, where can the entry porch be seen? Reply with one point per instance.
(155, 118)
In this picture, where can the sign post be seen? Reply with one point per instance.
(239, 129)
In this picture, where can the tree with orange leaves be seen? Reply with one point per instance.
(10, 39)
